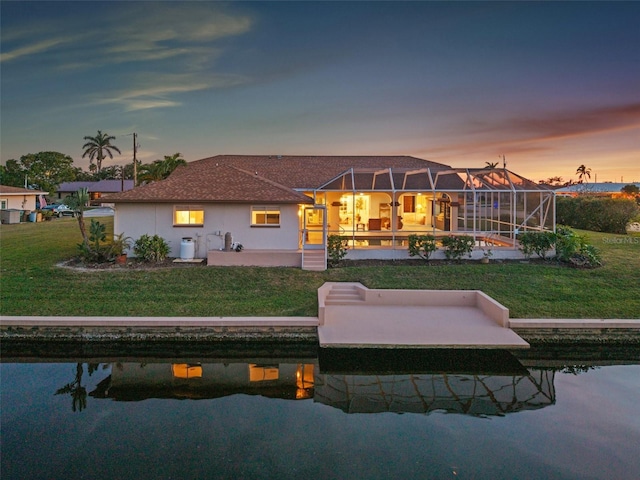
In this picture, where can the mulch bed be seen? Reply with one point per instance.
(133, 264)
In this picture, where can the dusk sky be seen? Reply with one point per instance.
(548, 85)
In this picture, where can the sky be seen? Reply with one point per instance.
(548, 86)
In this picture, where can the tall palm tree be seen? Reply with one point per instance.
(491, 165)
(96, 148)
(582, 172)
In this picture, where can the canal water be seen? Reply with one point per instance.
(342, 415)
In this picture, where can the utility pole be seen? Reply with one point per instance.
(135, 161)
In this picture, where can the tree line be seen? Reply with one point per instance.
(47, 170)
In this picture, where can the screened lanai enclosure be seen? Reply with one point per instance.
(380, 209)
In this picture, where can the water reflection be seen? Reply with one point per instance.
(474, 383)
(259, 415)
(75, 389)
(141, 381)
(482, 395)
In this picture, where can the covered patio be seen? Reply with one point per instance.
(381, 208)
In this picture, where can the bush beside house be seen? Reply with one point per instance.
(610, 215)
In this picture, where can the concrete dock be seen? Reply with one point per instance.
(353, 316)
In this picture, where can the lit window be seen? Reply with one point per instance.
(265, 216)
(188, 215)
(263, 373)
(186, 370)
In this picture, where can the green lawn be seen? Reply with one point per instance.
(31, 284)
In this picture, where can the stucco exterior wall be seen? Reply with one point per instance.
(20, 202)
(136, 220)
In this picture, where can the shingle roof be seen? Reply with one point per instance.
(221, 183)
(257, 178)
(8, 190)
(102, 186)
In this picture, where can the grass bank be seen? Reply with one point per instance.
(32, 284)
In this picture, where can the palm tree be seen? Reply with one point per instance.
(553, 181)
(79, 202)
(172, 162)
(491, 165)
(582, 172)
(96, 147)
(160, 169)
(151, 172)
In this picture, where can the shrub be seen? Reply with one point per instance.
(336, 249)
(119, 245)
(151, 249)
(536, 242)
(457, 247)
(609, 215)
(95, 251)
(574, 249)
(422, 246)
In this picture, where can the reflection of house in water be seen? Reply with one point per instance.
(425, 393)
(140, 381)
(468, 393)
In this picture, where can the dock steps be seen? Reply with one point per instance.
(344, 295)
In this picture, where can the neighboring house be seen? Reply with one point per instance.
(18, 198)
(604, 189)
(282, 208)
(96, 189)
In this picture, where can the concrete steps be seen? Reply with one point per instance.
(314, 260)
(344, 295)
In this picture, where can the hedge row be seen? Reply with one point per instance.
(609, 215)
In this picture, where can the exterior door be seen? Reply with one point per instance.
(315, 227)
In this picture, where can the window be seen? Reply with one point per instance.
(186, 370)
(3, 204)
(263, 373)
(188, 215)
(265, 216)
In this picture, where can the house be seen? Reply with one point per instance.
(16, 200)
(282, 208)
(96, 189)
